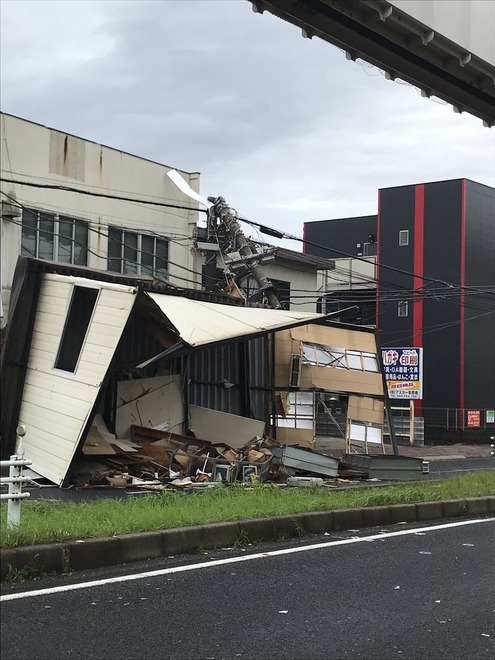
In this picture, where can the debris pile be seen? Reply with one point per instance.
(157, 459)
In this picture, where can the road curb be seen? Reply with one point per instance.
(111, 551)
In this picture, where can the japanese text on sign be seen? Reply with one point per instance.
(473, 418)
(403, 368)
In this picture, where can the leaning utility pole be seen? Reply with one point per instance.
(222, 220)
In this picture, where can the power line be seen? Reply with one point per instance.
(119, 242)
(104, 195)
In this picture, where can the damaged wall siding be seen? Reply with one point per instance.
(365, 409)
(215, 427)
(365, 388)
(288, 343)
(56, 403)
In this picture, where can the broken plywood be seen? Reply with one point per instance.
(354, 340)
(98, 440)
(365, 409)
(301, 437)
(156, 402)
(219, 427)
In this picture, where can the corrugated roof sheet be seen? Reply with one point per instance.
(199, 323)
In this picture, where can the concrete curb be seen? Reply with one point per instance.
(110, 551)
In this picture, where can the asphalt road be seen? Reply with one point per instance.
(408, 591)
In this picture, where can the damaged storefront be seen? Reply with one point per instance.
(124, 381)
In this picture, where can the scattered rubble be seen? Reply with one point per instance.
(157, 459)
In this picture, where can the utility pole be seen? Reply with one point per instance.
(223, 220)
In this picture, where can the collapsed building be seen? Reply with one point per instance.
(98, 365)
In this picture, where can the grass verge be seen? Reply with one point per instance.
(45, 521)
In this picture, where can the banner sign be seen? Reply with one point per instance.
(403, 368)
(473, 419)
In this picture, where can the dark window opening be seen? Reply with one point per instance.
(54, 237)
(133, 253)
(81, 308)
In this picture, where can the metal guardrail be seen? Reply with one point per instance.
(15, 481)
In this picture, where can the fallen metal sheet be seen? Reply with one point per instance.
(388, 467)
(200, 323)
(303, 460)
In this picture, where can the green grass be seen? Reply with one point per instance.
(52, 520)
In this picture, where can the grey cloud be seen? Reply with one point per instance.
(273, 122)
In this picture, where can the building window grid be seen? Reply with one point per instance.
(134, 253)
(402, 308)
(320, 355)
(54, 237)
(403, 237)
(301, 412)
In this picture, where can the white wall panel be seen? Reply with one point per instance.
(35, 153)
(468, 23)
(56, 404)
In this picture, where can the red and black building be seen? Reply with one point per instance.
(435, 247)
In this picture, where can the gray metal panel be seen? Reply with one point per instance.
(259, 378)
(305, 461)
(388, 467)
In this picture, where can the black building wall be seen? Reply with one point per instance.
(446, 273)
(395, 283)
(343, 234)
(479, 308)
(441, 324)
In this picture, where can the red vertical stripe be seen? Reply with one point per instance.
(377, 263)
(463, 282)
(418, 282)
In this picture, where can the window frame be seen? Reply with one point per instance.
(57, 221)
(301, 413)
(403, 309)
(117, 237)
(80, 312)
(338, 358)
(403, 237)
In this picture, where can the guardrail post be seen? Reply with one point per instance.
(15, 486)
(15, 481)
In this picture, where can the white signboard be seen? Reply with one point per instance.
(403, 369)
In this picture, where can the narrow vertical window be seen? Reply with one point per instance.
(81, 309)
(404, 237)
(403, 308)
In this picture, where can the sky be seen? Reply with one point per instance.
(284, 128)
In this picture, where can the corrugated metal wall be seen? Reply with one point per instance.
(233, 378)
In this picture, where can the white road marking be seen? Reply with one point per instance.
(233, 560)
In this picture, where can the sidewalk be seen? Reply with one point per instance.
(335, 447)
(446, 452)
